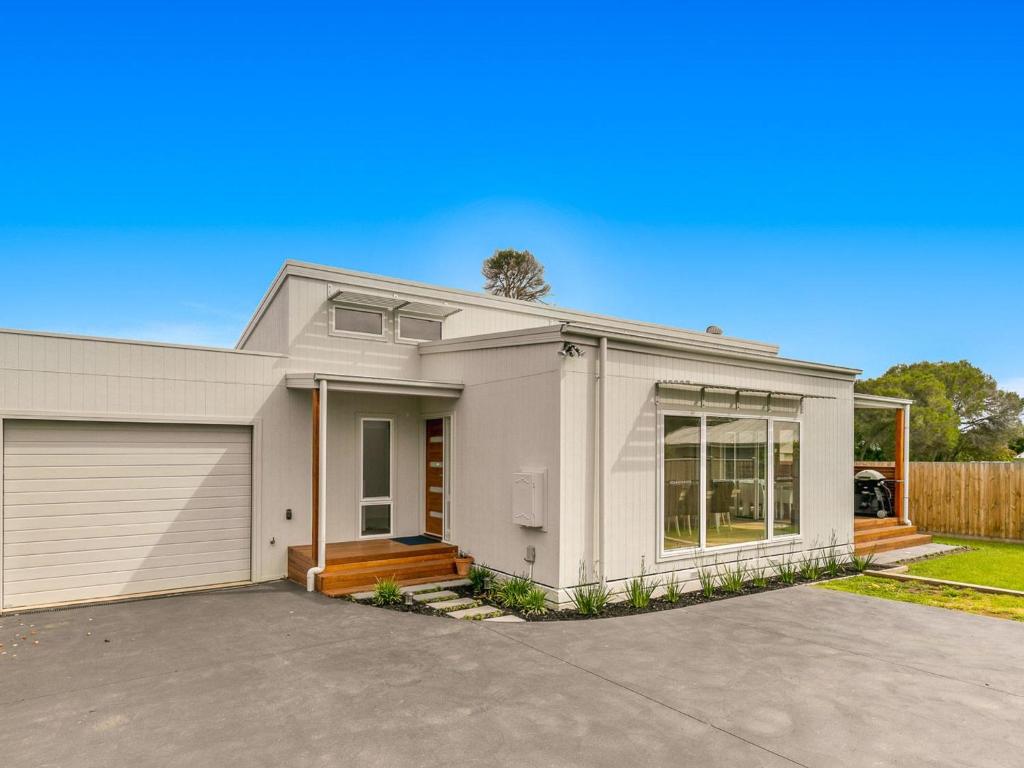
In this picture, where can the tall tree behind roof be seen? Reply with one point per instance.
(515, 275)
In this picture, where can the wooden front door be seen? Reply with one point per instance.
(435, 469)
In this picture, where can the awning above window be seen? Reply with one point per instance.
(439, 311)
(391, 303)
(738, 398)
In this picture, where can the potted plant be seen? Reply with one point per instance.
(462, 564)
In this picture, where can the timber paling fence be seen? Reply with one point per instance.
(977, 498)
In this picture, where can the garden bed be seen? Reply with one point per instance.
(620, 607)
(695, 597)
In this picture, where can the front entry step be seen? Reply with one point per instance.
(887, 545)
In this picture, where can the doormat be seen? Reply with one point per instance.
(410, 540)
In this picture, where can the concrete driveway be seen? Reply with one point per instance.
(272, 676)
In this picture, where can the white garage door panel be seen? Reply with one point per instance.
(100, 510)
(132, 588)
(89, 473)
(69, 508)
(116, 542)
(119, 491)
(191, 549)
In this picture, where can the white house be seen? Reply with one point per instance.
(356, 410)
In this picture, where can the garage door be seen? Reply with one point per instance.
(95, 510)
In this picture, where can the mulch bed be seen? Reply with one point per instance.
(619, 608)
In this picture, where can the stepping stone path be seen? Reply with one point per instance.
(478, 612)
(433, 597)
(455, 604)
(439, 596)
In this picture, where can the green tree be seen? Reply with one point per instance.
(959, 414)
(516, 275)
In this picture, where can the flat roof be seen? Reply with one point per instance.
(550, 312)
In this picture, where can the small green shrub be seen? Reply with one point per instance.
(732, 580)
(387, 592)
(511, 592)
(640, 588)
(707, 578)
(759, 573)
(862, 563)
(590, 598)
(786, 570)
(673, 590)
(479, 575)
(810, 567)
(535, 602)
(759, 576)
(832, 562)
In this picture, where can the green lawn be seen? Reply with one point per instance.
(969, 600)
(988, 563)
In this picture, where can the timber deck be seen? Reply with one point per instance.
(355, 566)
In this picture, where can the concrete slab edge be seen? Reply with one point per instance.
(944, 583)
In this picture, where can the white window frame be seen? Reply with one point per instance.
(399, 338)
(382, 336)
(703, 548)
(369, 501)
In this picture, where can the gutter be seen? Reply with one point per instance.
(321, 550)
(758, 360)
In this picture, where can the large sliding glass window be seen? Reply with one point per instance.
(786, 460)
(729, 480)
(375, 478)
(682, 482)
(737, 472)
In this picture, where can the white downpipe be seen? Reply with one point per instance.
(602, 463)
(905, 458)
(321, 550)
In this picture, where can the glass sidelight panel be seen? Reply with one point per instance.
(376, 520)
(376, 459)
(786, 458)
(375, 494)
(681, 476)
(737, 480)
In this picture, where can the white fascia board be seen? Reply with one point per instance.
(879, 402)
(543, 334)
(137, 342)
(375, 385)
(583, 336)
(635, 343)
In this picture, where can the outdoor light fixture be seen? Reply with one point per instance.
(570, 350)
(407, 599)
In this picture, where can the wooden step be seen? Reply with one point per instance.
(860, 523)
(438, 567)
(343, 591)
(886, 545)
(884, 532)
(390, 562)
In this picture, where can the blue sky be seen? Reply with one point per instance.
(843, 179)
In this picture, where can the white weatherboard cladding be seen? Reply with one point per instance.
(96, 510)
(632, 521)
(311, 345)
(506, 421)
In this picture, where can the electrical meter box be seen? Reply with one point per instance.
(528, 498)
